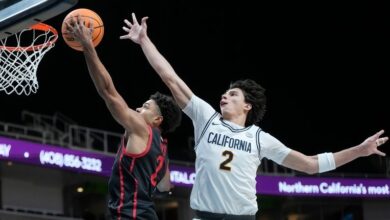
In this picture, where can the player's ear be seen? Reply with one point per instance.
(248, 106)
(158, 119)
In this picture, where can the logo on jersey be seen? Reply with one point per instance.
(226, 141)
(249, 135)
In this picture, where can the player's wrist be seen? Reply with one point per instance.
(144, 40)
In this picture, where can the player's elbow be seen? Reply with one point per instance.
(103, 93)
(164, 187)
(170, 81)
(310, 166)
(311, 171)
(108, 95)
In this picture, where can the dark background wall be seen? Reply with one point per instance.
(324, 66)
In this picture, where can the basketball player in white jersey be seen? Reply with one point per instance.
(229, 145)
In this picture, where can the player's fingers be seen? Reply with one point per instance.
(381, 141)
(385, 139)
(69, 27)
(91, 25)
(144, 19)
(128, 23)
(125, 29)
(134, 19)
(78, 19)
(380, 153)
(72, 21)
(124, 37)
(379, 133)
(143, 22)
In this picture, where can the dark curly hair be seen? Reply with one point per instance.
(254, 95)
(170, 111)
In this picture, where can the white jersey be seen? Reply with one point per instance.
(227, 158)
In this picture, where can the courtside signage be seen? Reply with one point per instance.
(55, 157)
(101, 164)
(319, 186)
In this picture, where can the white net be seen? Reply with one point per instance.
(19, 62)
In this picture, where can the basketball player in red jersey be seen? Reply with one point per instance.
(140, 165)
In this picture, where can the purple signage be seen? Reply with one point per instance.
(315, 186)
(100, 164)
(300, 186)
(56, 157)
(182, 176)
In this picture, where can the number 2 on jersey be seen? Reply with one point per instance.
(160, 163)
(225, 164)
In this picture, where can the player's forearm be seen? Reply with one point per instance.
(347, 155)
(322, 162)
(99, 74)
(157, 61)
(179, 89)
(165, 184)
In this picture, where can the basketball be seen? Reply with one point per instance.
(88, 16)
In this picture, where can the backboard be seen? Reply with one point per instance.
(16, 15)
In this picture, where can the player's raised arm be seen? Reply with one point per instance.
(138, 34)
(102, 80)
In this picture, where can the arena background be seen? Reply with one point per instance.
(324, 66)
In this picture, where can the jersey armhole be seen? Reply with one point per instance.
(146, 150)
(258, 143)
(205, 129)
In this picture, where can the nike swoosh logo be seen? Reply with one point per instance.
(213, 123)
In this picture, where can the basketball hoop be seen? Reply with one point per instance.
(19, 62)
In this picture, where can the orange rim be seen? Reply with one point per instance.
(40, 27)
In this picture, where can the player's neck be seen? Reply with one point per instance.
(237, 119)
